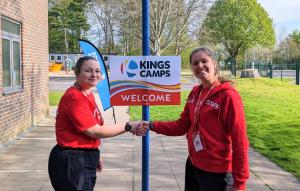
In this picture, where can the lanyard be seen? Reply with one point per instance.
(76, 85)
(200, 102)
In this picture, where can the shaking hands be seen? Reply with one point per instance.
(139, 128)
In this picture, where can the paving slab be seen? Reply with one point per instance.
(23, 165)
(271, 174)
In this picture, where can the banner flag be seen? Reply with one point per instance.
(103, 86)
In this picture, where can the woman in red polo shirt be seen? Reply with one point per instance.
(79, 125)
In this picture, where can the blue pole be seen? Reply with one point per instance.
(146, 52)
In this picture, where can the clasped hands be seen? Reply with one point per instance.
(139, 128)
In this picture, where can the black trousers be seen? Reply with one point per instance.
(73, 169)
(199, 180)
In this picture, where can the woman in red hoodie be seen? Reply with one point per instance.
(213, 121)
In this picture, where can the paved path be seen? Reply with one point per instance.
(23, 165)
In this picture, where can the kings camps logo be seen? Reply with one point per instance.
(129, 67)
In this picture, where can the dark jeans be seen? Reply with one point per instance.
(73, 169)
(199, 180)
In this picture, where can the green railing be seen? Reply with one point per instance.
(290, 71)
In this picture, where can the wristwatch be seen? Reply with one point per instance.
(128, 127)
(151, 125)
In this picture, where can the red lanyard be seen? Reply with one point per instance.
(200, 102)
(76, 85)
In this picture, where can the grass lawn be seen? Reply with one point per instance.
(273, 118)
(54, 97)
(272, 111)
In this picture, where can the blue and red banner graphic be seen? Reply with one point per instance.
(145, 80)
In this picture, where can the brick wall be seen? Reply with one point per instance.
(21, 110)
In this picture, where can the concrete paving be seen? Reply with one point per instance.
(23, 165)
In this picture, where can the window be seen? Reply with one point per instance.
(52, 57)
(11, 56)
(58, 58)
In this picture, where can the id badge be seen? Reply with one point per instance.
(197, 143)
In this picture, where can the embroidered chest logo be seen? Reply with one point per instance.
(212, 104)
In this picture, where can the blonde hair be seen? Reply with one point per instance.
(211, 54)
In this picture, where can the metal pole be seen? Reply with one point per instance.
(271, 71)
(281, 72)
(145, 109)
(235, 68)
(297, 74)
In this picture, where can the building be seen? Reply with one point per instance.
(23, 66)
(58, 58)
(61, 57)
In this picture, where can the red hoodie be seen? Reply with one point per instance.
(222, 132)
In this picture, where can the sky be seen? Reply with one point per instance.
(285, 15)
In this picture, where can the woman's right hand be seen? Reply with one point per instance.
(139, 128)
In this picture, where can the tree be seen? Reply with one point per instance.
(295, 46)
(291, 50)
(77, 21)
(237, 26)
(295, 36)
(104, 12)
(170, 21)
(288, 50)
(58, 39)
(67, 23)
(258, 54)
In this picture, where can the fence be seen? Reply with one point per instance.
(282, 71)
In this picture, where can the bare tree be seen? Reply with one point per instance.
(259, 54)
(104, 13)
(173, 23)
(170, 21)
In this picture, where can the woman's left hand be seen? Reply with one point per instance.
(100, 165)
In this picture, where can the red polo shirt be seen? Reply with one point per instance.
(76, 113)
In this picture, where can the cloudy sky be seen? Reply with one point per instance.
(285, 15)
